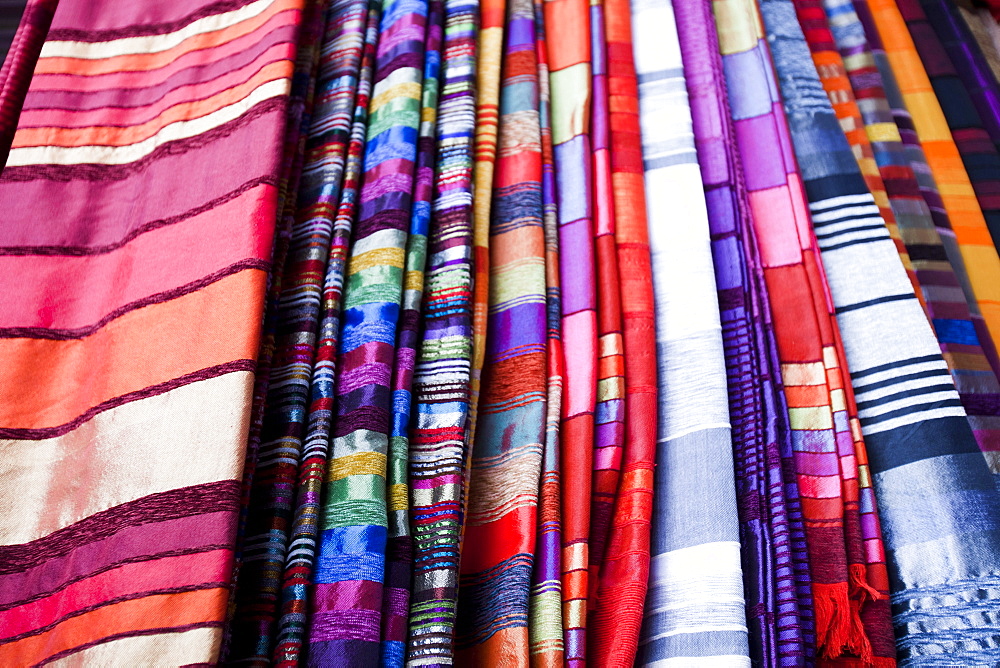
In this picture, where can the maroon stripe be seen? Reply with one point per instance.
(129, 634)
(92, 98)
(142, 229)
(118, 599)
(16, 433)
(158, 298)
(187, 502)
(131, 26)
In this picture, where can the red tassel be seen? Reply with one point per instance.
(833, 618)
(857, 576)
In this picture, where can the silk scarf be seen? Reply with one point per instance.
(441, 377)
(351, 561)
(88, 563)
(694, 605)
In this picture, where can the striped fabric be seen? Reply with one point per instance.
(900, 383)
(441, 378)
(399, 550)
(775, 615)
(545, 605)
(616, 616)
(980, 32)
(811, 365)
(272, 499)
(23, 26)
(158, 176)
(969, 62)
(969, 131)
(694, 611)
(609, 411)
(924, 224)
(568, 23)
(344, 627)
(506, 464)
(327, 179)
(921, 120)
(847, 223)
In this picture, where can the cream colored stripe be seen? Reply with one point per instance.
(192, 435)
(128, 46)
(119, 155)
(162, 649)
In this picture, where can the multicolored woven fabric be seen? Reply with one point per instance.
(545, 605)
(774, 612)
(153, 143)
(919, 389)
(500, 528)
(811, 365)
(399, 550)
(609, 415)
(568, 24)
(615, 617)
(301, 556)
(922, 122)
(847, 222)
(924, 224)
(694, 606)
(441, 379)
(981, 33)
(344, 627)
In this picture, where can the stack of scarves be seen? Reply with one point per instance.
(500, 332)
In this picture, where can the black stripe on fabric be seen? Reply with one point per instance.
(910, 443)
(846, 218)
(875, 302)
(857, 242)
(860, 389)
(832, 186)
(910, 410)
(911, 361)
(906, 394)
(852, 230)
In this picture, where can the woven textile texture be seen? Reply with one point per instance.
(694, 606)
(900, 382)
(545, 606)
(130, 556)
(924, 225)
(500, 528)
(27, 23)
(344, 627)
(441, 377)
(775, 615)
(615, 616)
(568, 23)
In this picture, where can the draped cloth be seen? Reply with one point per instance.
(694, 606)
(569, 52)
(399, 549)
(18, 64)
(776, 617)
(846, 220)
(610, 409)
(939, 559)
(499, 547)
(615, 616)
(128, 558)
(924, 225)
(441, 376)
(320, 188)
(351, 561)
(545, 611)
(823, 439)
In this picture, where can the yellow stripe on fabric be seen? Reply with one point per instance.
(739, 26)
(810, 373)
(361, 463)
(570, 102)
(392, 257)
(516, 280)
(838, 401)
(610, 388)
(883, 132)
(397, 497)
(810, 418)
